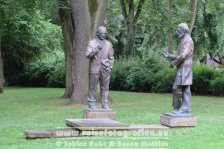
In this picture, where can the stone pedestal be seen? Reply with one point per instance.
(99, 113)
(57, 133)
(148, 127)
(96, 124)
(173, 120)
(30, 134)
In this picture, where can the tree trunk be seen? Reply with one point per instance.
(130, 50)
(170, 37)
(131, 19)
(68, 36)
(1, 70)
(97, 9)
(80, 64)
(86, 16)
(193, 8)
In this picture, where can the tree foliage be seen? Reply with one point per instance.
(208, 33)
(31, 38)
(151, 27)
(25, 33)
(46, 69)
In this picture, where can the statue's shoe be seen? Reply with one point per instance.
(92, 107)
(175, 110)
(105, 107)
(180, 111)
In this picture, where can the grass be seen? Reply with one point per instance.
(40, 108)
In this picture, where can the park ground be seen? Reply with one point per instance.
(40, 108)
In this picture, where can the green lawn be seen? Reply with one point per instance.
(40, 108)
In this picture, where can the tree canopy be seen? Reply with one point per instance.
(34, 33)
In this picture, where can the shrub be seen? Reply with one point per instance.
(141, 74)
(47, 69)
(202, 75)
(217, 84)
(152, 74)
(140, 77)
(164, 80)
(120, 72)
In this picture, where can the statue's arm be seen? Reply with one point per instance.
(186, 49)
(111, 56)
(172, 57)
(91, 51)
(168, 56)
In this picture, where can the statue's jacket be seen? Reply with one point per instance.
(100, 59)
(183, 61)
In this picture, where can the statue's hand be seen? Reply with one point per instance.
(172, 64)
(165, 54)
(95, 51)
(99, 47)
(108, 69)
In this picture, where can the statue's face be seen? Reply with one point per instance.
(180, 32)
(102, 34)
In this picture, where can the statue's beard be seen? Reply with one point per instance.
(101, 37)
(180, 34)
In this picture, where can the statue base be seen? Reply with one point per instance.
(57, 133)
(99, 113)
(178, 120)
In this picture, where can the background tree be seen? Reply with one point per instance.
(208, 29)
(131, 19)
(24, 34)
(12, 14)
(193, 8)
(1, 70)
(31, 40)
(87, 16)
(170, 32)
(68, 37)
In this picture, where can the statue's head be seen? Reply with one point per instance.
(182, 30)
(101, 32)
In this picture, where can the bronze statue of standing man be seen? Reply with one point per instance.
(183, 61)
(100, 53)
